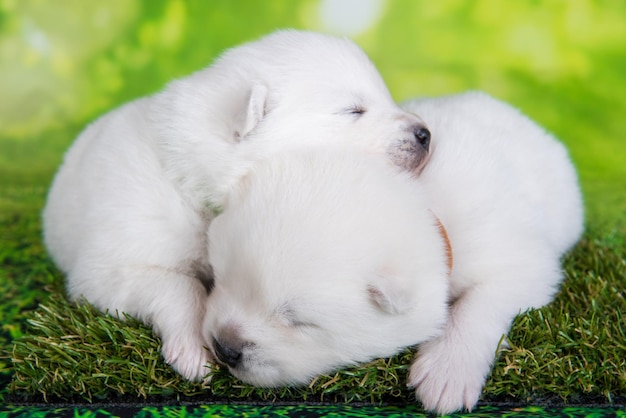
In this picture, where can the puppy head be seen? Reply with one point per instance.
(322, 260)
(325, 89)
(287, 89)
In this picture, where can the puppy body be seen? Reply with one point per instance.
(127, 213)
(508, 196)
(126, 237)
(322, 259)
(298, 244)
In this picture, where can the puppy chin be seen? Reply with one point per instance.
(266, 375)
(409, 157)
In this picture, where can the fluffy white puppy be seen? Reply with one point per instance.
(322, 259)
(328, 261)
(127, 214)
(509, 199)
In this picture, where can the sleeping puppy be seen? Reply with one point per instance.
(127, 213)
(508, 196)
(323, 259)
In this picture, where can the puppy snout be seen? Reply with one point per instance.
(227, 354)
(422, 136)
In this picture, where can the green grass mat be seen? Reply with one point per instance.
(571, 351)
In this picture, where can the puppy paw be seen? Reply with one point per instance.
(446, 378)
(188, 357)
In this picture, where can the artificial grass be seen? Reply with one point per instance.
(572, 351)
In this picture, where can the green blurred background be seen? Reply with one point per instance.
(563, 62)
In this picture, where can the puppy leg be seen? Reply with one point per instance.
(179, 313)
(172, 301)
(450, 371)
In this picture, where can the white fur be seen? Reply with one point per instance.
(127, 213)
(508, 196)
(322, 259)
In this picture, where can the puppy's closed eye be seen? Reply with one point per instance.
(358, 110)
(355, 110)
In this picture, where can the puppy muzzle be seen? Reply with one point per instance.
(411, 152)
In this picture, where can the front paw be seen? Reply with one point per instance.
(447, 378)
(188, 357)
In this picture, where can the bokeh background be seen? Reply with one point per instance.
(562, 62)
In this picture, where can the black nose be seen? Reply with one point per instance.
(225, 354)
(422, 135)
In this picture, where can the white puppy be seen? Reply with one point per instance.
(322, 259)
(127, 214)
(305, 246)
(509, 199)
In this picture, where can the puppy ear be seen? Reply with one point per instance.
(390, 294)
(255, 110)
